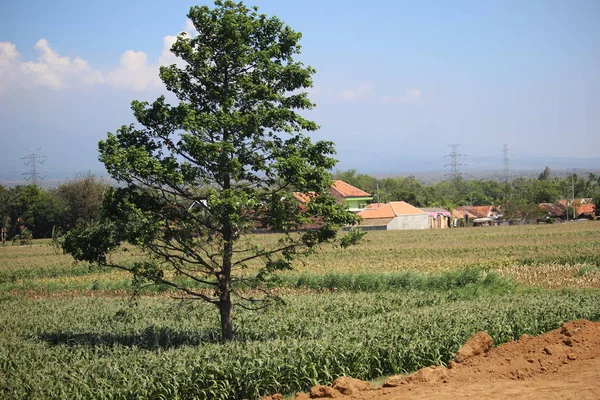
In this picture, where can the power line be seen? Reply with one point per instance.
(33, 159)
(455, 164)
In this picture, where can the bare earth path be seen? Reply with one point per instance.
(578, 380)
(561, 364)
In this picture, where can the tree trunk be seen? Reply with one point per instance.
(225, 310)
(225, 292)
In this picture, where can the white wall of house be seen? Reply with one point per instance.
(415, 221)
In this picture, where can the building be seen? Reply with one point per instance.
(439, 218)
(584, 208)
(352, 197)
(394, 216)
(478, 215)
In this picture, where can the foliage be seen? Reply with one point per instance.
(104, 348)
(68, 331)
(521, 211)
(202, 174)
(82, 199)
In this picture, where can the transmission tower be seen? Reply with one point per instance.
(505, 151)
(455, 164)
(33, 159)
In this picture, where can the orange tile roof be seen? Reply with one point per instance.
(588, 209)
(385, 211)
(344, 189)
(480, 211)
(576, 202)
(403, 208)
(460, 212)
(475, 211)
(390, 210)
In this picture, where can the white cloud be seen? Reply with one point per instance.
(190, 29)
(56, 72)
(133, 72)
(363, 92)
(9, 63)
(410, 96)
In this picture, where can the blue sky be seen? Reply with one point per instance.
(396, 82)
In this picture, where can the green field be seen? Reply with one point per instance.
(395, 303)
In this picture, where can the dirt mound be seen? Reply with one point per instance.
(562, 363)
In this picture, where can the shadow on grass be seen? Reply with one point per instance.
(151, 338)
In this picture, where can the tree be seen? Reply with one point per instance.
(31, 208)
(82, 199)
(200, 175)
(521, 211)
(545, 174)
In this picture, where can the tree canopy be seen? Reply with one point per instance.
(198, 176)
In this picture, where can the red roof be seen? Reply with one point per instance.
(341, 189)
(460, 212)
(585, 209)
(390, 210)
(385, 211)
(475, 211)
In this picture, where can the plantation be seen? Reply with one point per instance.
(395, 303)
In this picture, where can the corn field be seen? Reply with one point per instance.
(399, 302)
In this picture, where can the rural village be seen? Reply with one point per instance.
(251, 229)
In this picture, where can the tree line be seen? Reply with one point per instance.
(35, 211)
(31, 211)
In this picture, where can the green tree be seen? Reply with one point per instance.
(521, 211)
(81, 198)
(29, 207)
(200, 175)
(545, 174)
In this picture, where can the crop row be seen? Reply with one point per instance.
(109, 348)
(357, 282)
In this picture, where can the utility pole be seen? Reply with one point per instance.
(33, 159)
(505, 151)
(573, 196)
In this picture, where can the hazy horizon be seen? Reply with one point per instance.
(396, 82)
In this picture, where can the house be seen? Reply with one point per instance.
(353, 198)
(394, 216)
(584, 208)
(478, 215)
(439, 218)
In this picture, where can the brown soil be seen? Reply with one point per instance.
(563, 364)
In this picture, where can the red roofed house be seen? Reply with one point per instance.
(393, 216)
(353, 198)
(479, 215)
(584, 208)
